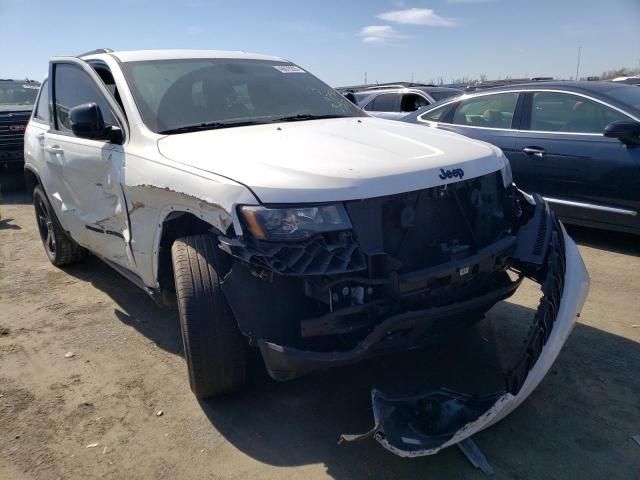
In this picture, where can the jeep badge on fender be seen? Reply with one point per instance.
(455, 173)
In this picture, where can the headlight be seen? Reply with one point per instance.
(293, 223)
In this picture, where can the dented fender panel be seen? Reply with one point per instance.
(153, 192)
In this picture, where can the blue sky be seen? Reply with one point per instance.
(340, 40)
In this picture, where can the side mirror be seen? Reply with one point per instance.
(87, 122)
(627, 131)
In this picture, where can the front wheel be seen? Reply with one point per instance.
(59, 247)
(213, 345)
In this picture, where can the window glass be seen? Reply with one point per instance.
(74, 87)
(490, 111)
(435, 115)
(387, 102)
(107, 79)
(412, 102)
(563, 112)
(174, 94)
(18, 93)
(629, 94)
(42, 109)
(442, 94)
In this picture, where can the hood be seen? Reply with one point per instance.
(15, 108)
(333, 159)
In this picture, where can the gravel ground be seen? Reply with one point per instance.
(95, 414)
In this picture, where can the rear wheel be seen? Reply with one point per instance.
(59, 247)
(213, 345)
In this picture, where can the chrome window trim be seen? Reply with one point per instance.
(473, 95)
(591, 206)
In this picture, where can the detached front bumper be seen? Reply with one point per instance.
(396, 334)
(419, 425)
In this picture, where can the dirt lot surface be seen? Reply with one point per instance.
(127, 366)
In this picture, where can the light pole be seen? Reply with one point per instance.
(578, 65)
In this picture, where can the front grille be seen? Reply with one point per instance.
(427, 227)
(12, 140)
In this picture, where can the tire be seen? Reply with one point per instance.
(213, 345)
(59, 247)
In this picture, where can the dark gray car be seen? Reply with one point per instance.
(576, 143)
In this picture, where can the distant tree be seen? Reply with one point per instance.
(620, 72)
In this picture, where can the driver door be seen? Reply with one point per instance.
(84, 176)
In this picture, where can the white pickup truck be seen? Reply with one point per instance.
(279, 215)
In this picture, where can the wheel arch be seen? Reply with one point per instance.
(177, 224)
(31, 179)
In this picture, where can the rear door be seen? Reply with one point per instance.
(385, 105)
(562, 154)
(491, 117)
(84, 176)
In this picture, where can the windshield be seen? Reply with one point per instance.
(18, 93)
(175, 96)
(629, 95)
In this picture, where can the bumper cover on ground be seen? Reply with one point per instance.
(419, 425)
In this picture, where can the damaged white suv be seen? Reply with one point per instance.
(280, 215)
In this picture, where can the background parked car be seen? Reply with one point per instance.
(633, 80)
(396, 101)
(16, 101)
(577, 143)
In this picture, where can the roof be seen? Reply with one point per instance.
(145, 55)
(581, 87)
(600, 89)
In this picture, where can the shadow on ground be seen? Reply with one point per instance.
(579, 419)
(616, 242)
(8, 224)
(12, 182)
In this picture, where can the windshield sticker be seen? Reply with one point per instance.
(288, 69)
(33, 87)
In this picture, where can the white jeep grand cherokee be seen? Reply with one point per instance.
(280, 215)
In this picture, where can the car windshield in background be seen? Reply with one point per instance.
(18, 93)
(437, 96)
(629, 95)
(176, 96)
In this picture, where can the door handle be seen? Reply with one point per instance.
(40, 139)
(53, 148)
(535, 151)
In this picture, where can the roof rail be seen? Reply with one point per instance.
(93, 52)
(387, 85)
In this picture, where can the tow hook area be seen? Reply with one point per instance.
(423, 424)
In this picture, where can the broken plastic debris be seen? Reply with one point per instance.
(69, 355)
(475, 455)
(93, 445)
(159, 413)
